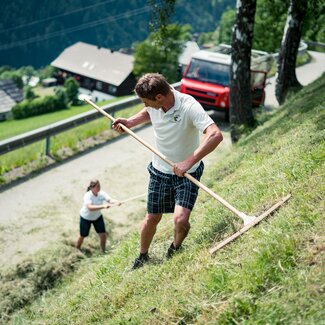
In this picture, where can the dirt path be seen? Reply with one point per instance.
(45, 209)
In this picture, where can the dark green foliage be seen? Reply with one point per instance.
(38, 106)
(153, 56)
(62, 96)
(29, 93)
(269, 24)
(225, 28)
(71, 87)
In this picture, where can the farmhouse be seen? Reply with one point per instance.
(97, 69)
(10, 95)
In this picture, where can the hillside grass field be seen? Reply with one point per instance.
(273, 274)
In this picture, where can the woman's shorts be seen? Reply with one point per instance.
(166, 190)
(85, 224)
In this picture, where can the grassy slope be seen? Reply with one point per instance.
(274, 274)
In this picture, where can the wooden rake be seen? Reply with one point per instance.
(249, 221)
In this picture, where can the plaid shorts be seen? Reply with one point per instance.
(166, 190)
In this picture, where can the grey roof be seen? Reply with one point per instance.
(11, 89)
(10, 94)
(94, 62)
(186, 55)
(6, 102)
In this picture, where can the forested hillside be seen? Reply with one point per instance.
(34, 33)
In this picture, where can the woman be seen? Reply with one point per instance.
(94, 201)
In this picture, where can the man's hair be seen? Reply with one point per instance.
(152, 84)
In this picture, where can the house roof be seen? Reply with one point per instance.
(95, 62)
(9, 95)
(6, 102)
(11, 89)
(189, 49)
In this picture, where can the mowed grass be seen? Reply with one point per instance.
(273, 274)
(32, 157)
(13, 127)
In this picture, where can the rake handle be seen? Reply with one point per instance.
(171, 163)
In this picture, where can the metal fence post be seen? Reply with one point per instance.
(47, 146)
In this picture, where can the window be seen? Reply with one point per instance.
(99, 85)
(112, 89)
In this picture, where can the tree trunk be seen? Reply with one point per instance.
(286, 79)
(241, 113)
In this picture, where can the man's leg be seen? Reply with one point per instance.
(148, 230)
(181, 224)
(103, 238)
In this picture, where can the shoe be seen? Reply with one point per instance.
(172, 250)
(140, 261)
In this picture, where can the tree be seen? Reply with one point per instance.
(241, 114)
(160, 18)
(29, 93)
(270, 19)
(154, 56)
(61, 96)
(226, 24)
(72, 87)
(161, 50)
(286, 79)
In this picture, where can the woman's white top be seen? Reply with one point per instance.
(90, 198)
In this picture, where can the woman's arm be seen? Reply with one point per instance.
(114, 202)
(92, 207)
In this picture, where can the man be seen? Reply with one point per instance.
(177, 120)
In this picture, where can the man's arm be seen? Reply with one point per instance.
(211, 139)
(132, 121)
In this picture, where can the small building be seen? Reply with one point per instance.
(186, 55)
(10, 95)
(49, 82)
(97, 69)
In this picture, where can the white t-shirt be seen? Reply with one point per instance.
(90, 198)
(177, 130)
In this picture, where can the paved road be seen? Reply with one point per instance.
(45, 208)
(305, 74)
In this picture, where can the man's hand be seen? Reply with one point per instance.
(181, 168)
(117, 124)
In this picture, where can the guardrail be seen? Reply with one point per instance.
(303, 46)
(46, 132)
(316, 44)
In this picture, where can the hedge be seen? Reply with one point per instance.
(38, 106)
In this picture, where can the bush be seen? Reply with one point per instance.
(29, 93)
(38, 106)
(72, 89)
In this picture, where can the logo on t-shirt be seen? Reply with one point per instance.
(176, 118)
